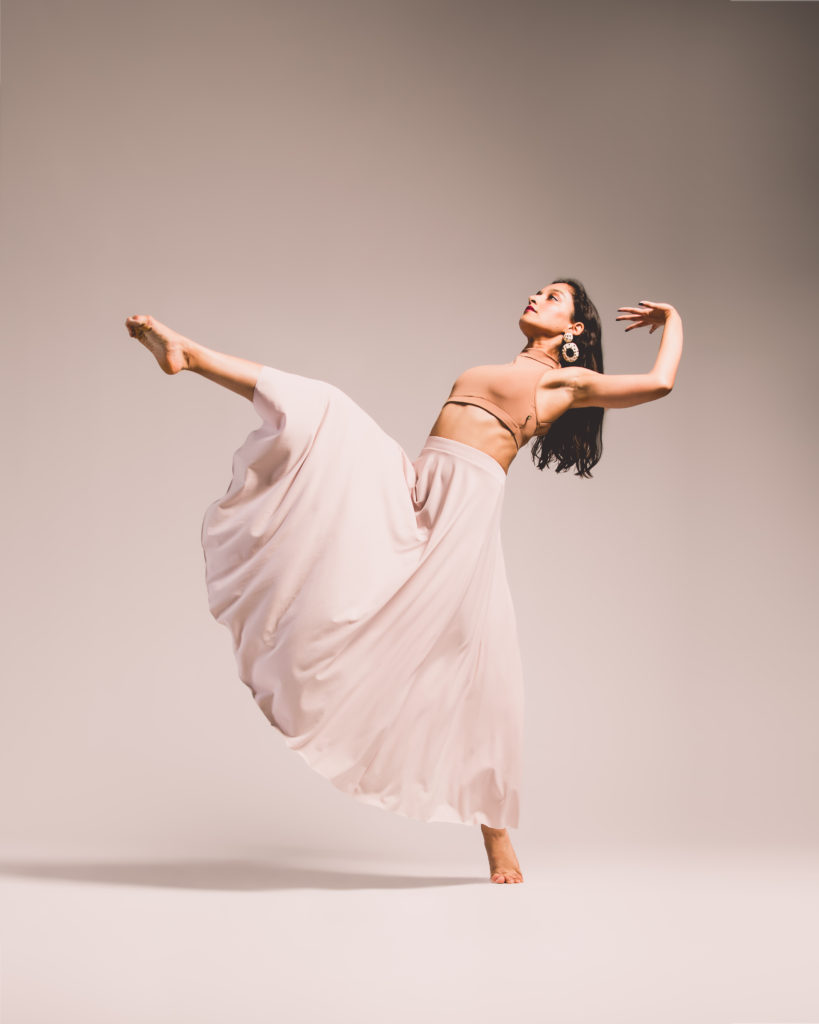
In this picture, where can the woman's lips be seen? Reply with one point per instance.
(530, 307)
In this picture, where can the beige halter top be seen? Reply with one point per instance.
(507, 391)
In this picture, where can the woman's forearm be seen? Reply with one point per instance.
(671, 343)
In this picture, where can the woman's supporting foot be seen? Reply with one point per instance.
(171, 350)
(503, 864)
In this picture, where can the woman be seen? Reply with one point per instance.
(366, 593)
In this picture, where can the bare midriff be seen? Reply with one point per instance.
(478, 428)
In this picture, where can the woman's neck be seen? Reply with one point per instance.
(542, 353)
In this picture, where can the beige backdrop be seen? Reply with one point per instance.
(367, 192)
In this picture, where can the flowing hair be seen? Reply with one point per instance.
(576, 437)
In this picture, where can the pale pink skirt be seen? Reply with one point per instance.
(367, 599)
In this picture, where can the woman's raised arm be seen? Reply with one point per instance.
(620, 390)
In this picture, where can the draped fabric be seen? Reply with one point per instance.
(367, 600)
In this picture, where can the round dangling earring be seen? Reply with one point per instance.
(569, 349)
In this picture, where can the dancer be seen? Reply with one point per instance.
(366, 592)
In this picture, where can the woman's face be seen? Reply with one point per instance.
(550, 312)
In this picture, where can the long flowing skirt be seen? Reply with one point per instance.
(367, 599)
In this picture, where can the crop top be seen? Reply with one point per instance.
(507, 390)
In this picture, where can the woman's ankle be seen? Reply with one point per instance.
(489, 831)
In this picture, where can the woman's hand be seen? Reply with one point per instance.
(646, 314)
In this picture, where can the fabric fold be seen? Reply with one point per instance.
(367, 600)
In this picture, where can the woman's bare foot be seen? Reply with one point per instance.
(171, 350)
(503, 864)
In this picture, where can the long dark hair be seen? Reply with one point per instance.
(576, 437)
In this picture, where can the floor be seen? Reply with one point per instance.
(291, 936)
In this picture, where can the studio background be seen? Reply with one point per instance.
(367, 193)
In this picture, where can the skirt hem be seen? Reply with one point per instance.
(449, 817)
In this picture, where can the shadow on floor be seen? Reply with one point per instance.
(225, 875)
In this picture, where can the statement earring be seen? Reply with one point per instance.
(569, 350)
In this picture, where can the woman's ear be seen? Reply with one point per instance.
(578, 328)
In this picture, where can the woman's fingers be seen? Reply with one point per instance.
(643, 307)
(645, 314)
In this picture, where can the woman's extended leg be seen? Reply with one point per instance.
(175, 352)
